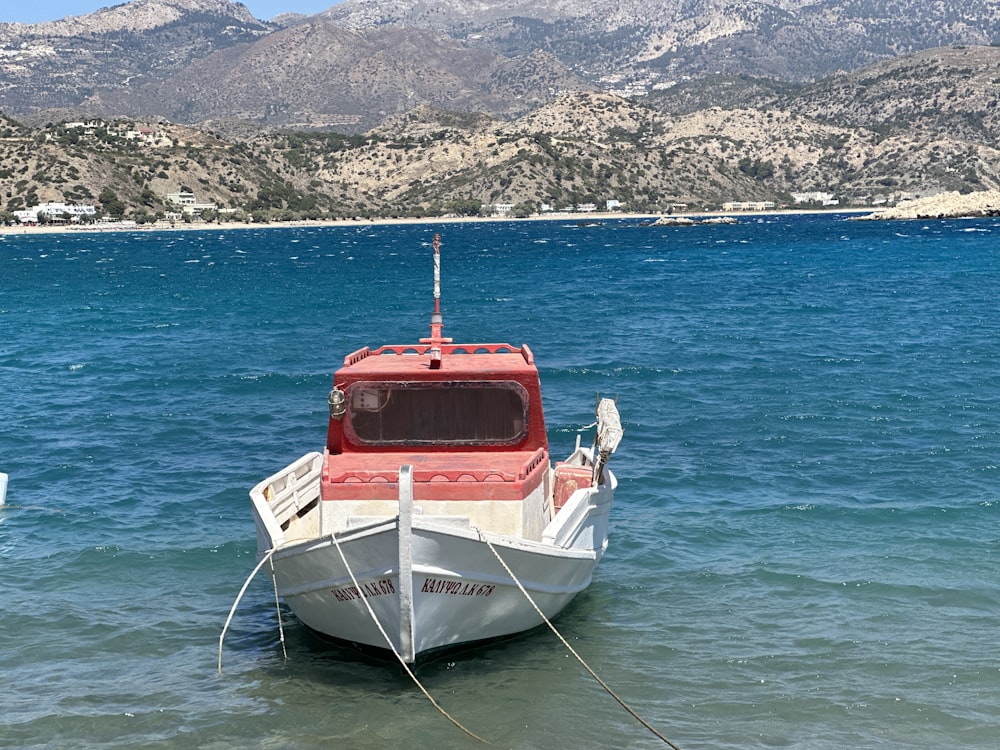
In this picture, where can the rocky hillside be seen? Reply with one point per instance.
(647, 39)
(583, 147)
(331, 77)
(201, 61)
(952, 91)
(64, 63)
(590, 147)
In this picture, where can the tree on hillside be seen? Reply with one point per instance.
(110, 203)
(757, 169)
(464, 206)
(524, 209)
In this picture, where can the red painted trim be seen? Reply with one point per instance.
(465, 478)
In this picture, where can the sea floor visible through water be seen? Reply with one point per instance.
(804, 544)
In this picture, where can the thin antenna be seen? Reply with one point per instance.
(437, 321)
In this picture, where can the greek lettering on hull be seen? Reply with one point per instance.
(456, 588)
(373, 588)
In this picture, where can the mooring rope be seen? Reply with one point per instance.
(239, 596)
(402, 661)
(277, 609)
(579, 658)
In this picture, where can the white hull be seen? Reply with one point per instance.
(431, 581)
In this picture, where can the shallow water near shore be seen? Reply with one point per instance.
(804, 548)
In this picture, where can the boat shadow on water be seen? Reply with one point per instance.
(344, 661)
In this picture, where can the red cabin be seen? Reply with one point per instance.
(393, 406)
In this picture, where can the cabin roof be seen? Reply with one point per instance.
(458, 361)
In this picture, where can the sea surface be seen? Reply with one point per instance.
(804, 548)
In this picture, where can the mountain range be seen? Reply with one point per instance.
(918, 125)
(360, 61)
(399, 107)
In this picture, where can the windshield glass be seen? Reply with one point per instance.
(465, 413)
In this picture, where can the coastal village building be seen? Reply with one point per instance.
(748, 206)
(824, 199)
(55, 213)
(188, 205)
(145, 136)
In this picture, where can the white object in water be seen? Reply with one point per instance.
(3, 488)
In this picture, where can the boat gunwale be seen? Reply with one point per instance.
(296, 547)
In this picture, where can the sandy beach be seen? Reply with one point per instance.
(595, 217)
(941, 206)
(201, 225)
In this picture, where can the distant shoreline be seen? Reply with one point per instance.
(946, 205)
(575, 217)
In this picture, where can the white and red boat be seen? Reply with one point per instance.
(434, 516)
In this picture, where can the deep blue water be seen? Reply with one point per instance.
(805, 546)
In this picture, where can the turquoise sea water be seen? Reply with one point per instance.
(805, 545)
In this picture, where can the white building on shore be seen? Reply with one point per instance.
(748, 206)
(824, 199)
(188, 204)
(55, 213)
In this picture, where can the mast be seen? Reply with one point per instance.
(437, 322)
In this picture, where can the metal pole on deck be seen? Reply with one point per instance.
(437, 322)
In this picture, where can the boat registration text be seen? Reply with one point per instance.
(372, 588)
(456, 588)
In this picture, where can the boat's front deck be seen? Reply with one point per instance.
(505, 491)
(456, 475)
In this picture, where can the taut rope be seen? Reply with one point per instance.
(579, 658)
(277, 609)
(402, 661)
(268, 558)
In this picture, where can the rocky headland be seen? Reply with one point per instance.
(950, 205)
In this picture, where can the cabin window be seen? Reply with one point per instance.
(447, 413)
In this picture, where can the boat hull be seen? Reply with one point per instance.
(417, 584)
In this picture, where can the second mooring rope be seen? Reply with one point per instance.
(239, 596)
(371, 612)
(579, 658)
